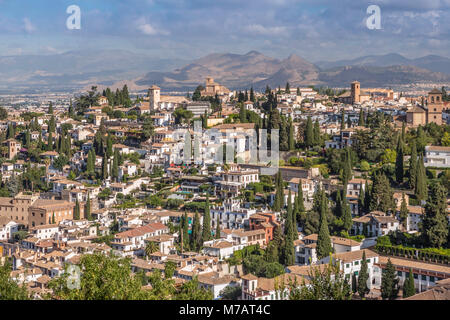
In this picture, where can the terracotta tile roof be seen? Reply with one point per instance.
(416, 264)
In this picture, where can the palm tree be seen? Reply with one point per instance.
(150, 248)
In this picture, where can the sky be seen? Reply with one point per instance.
(187, 29)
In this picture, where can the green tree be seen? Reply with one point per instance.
(105, 172)
(190, 291)
(196, 235)
(346, 214)
(361, 121)
(363, 277)
(76, 212)
(50, 108)
(291, 139)
(381, 196)
(389, 282)
(3, 113)
(217, 233)
(309, 133)
(169, 269)
(404, 212)
(115, 166)
(10, 289)
(50, 142)
(326, 282)
(150, 248)
(206, 231)
(421, 189)
(399, 170)
(87, 209)
(342, 119)
(279, 193)
(103, 278)
(408, 286)
(316, 133)
(435, 224)
(412, 172)
(324, 247)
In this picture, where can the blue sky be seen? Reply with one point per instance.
(313, 29)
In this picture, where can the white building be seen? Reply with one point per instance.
(375, 224)
(437, 157)
(7, 228)
(231, 215)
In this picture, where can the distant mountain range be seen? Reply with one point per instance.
(76, 70)
(431, 62)
(257, 70)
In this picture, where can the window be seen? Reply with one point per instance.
(399, 273)
(356, 273)
(347, 265)
(356, 263)
(431, 279)
(416, 276)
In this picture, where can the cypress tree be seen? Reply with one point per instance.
(90, 169)
(363, 277)
(53, 219)
(105, 172)
(68, 146)
(316, 133)
(185, 231)
(76, 213)
(361, 200)
(408, 286)
(288, 88)
(217, 231)
(381, 196)
(347, 169)
(361, 121)
(301, 202)
(404, 212)
(87, 209)
(242, 114)
(399, 170)
(324, 247)
(279, 193)
(346, 215)
(291, 139)
(52, 124)
(435, 223)
(115, 166)
(196, 234)
(109, 148)
(288, 249)
(413, 166)
(421, 189)
(342, 120)
(28, 139)
(367, 197)
(288, 224)
(389, 282)
(50, 142)
(309, 133)
(206, 232)
(50, 108)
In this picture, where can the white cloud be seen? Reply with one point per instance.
(148, 29)
(260, 29)
(28, 26)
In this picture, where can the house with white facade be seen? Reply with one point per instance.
(436, 156)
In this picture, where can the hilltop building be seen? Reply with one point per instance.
(212, 88)
(429, 112)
